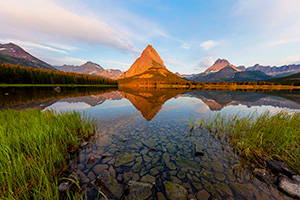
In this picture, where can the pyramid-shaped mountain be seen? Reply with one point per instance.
(149, 71)
(218, 65)
(148, 59)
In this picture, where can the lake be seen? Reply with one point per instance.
(145, 135)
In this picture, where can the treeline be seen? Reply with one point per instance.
(15, 74)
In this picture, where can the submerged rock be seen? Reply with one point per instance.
(124, 158)
(184, 162)
(69, 182)
(279, 167)
(82, 177)
(108, 183)
(175, 191)
(138, 190)
(91, 160)
(198, 151)
(263, 175)
(153, 149)
(148, 179)
(291, 187)
(99, 168)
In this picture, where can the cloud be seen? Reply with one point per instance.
(209, 44)
(29, 45)
(205, 63)
(116, 63)
(291, 60)
(282, 42)
(279, 19)
(65, 60)
(185, 46)
(172, 62)
(48, 18)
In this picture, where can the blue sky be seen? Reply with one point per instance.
(188, 35)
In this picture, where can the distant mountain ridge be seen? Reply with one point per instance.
(273, 71)
(222, 70)
(92, 69)
(218, 65)
(13, 54)
(228, 73)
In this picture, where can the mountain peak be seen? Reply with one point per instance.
(218, 65)
(149, 58)
(222, 61)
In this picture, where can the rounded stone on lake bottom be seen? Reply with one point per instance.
(138, 190)
(175, 191)
(181, 174)
(137, 167)
(175, 180)
(219, 176)
(148, 179)
(91, 176)
(198, 186)
(99, 168)
(223, 189)
(123, 159)
(161, 196)
(171, 166)
(112, 171)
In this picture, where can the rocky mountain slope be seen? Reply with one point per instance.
(228, 73)
(284, 70)
(222, 70)
(150, 70)
(92, 69)
(13, 54)
(144, 62)
(218, 65)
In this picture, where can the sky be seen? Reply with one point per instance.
(188, 35)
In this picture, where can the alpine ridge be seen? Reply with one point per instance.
(13, 54)
(218, 65)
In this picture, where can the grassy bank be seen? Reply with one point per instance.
(256, 136)
(34, 145)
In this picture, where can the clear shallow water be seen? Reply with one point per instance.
(131, 122)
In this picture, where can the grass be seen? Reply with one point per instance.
(256, 137)
(34, 147)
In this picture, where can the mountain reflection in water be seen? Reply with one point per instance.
(148, 101)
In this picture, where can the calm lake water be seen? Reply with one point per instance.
(130, 122)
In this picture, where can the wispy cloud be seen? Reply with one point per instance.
(173, 62)
(279, 19)
(280, 42)
(64, 60)
(291, 60)
(204, 64)
(116, 63)
(29, 45)
(209, 44)
(47, 17)
(185, 46)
